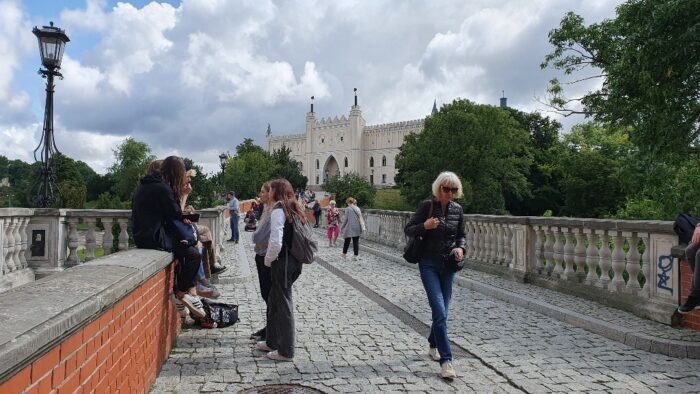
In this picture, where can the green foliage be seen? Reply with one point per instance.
(288, 168)
(482, 144)
(131, 161)
(647, 58)
(248, 146)
(110, 201)
(351, 185)
(203, 188)
(247, 172)
(72, 194)
(391, 199)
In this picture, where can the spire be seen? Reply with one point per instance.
(504, 100)
(355, 90)
(269, 130)
(434, 111)
(312, 104)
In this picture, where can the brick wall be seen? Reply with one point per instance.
(122, 350)
(691, 320)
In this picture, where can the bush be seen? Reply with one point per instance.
(351, 185)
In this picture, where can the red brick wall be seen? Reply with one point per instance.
(691, 320)
(120, 351)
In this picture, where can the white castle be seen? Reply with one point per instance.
(337, 146)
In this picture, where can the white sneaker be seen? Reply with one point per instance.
(274, 355)
(433, 353)
(345, 257)
(184, 312)
(262, 346)
(355, 258)
(447, 371)
(194, 304)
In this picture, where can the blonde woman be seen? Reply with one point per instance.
(441, 224)
(352, 228)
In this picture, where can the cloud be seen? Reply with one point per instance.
(199, 77)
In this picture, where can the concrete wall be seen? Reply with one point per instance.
(106, 325)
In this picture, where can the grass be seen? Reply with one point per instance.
(390, 199)
(82, 254)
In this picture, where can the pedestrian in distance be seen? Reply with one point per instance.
(285, 269)
(439, 221)
(352, 227)
(333, 221)
(317, 212)
(261, 237)
(233, 209)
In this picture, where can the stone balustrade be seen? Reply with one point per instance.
(626, 264)
(39, 242)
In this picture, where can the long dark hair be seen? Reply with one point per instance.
(173, 172)
(283, 192)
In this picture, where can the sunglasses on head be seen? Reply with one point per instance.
(447, 189)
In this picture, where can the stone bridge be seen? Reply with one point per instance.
(545, 304)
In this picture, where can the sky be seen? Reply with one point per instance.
(196, 77)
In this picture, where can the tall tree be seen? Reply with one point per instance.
(131, 161)
(245, 173)
(482, 144)
(247, 146)
(351, 185)
(288, 168)
(648, 59)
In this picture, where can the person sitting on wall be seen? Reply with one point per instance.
(692, 253)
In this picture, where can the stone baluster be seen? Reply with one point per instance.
(500, 256)
(493, 245)
(18, 243)
(549, 250)
(123, 234)
(10, 246)
(107, 237)
(25, 242)
(591, 258)
(580, 255)
(646, 266)
(540, 262)
(3, 245)
(484, 242)
(468, 239)
(569, 273)
(90, 239)
(633, 266)
(508, 246)
(558, 253)
(477, 241)
(73, 242)
(604, 259)
(618, 263)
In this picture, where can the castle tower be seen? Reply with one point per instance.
(357, 128)
(309, 163)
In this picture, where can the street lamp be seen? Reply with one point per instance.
(52, 41)
(223, 159)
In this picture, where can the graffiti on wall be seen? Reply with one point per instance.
(665, 266)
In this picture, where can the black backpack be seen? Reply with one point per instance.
(222, 314)
(684, 226)
(304, 245)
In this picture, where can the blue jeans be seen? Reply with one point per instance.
(234, 228)
(437, 281)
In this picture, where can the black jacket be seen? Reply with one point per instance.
(439, 242)
(154, 206)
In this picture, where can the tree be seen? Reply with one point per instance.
(245, 173)
(482, 144)
(72, 194)
(647, 58)
(248, 146)
(203, 190)
(351, 185)
(288, 168)
(131, 161)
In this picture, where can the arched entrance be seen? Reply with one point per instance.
(331, 168)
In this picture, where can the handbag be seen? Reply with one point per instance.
(452, 264)
(414, 248)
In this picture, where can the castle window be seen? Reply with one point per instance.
(371, 179)
(317, 179)
(383, 161)
(346, 160)
(322, 140)
(371, 162)
(383, 178)
(317, 165)
(341, 140)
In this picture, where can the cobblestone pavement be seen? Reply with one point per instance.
(348, 342)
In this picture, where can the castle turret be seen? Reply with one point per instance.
(504, 100)
(309, 167)
(435, 110)
(357, 128)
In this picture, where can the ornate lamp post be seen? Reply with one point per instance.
(52, 41)
(223, 159)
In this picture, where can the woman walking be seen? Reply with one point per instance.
(439, 222)
(261, 237)
(285, 269)
(333, 219)
(352, 228)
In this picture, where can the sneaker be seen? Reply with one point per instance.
(262, 346)
(433, 353)
(184, 312)
(274, 355)
(447, 371)
(690, 305)
(217, 269)
(345, 257)
(259, 335)
(207, 291)
(355, 258)
(194, 304)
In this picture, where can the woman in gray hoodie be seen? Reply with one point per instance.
(352, 227)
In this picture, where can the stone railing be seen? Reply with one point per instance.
(626, 264)
(39, 242)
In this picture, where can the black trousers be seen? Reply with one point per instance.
(280, 333)
(355, 245)
(317, 216)
(188, 264)
(264, 277)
